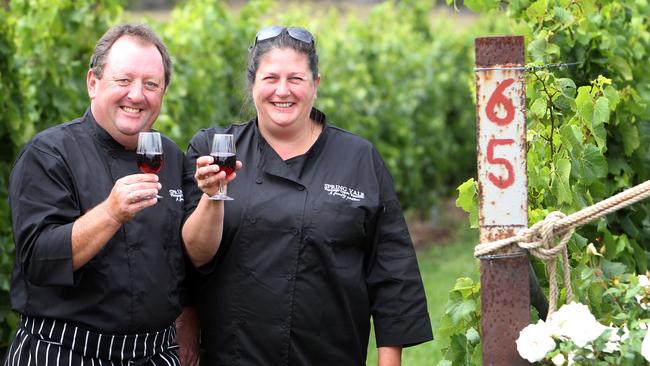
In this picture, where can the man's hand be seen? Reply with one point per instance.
(187, 336)
(132, 194)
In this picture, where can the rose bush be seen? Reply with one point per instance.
(573, 335)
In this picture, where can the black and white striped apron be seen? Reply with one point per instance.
(46, 342)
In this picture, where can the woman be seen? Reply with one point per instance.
(314, 242)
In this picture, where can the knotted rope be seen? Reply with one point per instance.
(539, 239)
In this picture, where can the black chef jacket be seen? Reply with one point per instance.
(309, 252)
(132, 284)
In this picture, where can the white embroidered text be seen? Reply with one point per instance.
(344, 192)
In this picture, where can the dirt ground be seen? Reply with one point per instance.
(439, 230)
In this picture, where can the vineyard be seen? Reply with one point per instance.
(406, 83)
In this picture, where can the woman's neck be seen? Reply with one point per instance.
(288, 142)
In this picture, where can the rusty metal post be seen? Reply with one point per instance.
(503, 193)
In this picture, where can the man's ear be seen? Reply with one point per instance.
(91, 84)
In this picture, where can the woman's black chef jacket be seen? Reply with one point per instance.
(309, 253)
(132, 284)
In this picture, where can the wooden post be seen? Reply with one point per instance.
(503, 193)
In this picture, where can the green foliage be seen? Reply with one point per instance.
(209, 46)
(587, 124)
(44, 51)
(621, 301)
(459, 332)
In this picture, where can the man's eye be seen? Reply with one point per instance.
(122, 82)
(151, 86)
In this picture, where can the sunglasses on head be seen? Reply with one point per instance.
(297, 33)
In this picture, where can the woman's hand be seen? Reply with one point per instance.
(209, 177)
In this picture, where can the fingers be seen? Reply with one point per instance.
(137, 178)
(209, 176)
(132, 194)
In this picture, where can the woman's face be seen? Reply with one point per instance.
(284, 90)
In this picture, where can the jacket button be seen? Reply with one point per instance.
(252, 220)
(294, 231)
(301, 188)
(258, 180)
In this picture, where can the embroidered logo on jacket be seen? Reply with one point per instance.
(344, 192)
(177, 194)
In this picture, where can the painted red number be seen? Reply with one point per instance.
(498, 98)
(499, 181)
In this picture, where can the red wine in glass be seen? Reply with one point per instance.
(225, 161)
(150, 163)
(150, 153)
(223, 152)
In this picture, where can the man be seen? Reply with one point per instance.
(99, 259)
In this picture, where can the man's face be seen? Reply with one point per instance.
(127, 98)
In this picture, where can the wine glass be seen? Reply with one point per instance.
(223, 152)
(150, 153)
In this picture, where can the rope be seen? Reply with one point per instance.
(539, 239)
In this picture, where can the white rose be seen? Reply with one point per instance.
(576, 322)
(643, 280)
(535, 342)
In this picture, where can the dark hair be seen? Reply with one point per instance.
(283, 40)
(139, 31)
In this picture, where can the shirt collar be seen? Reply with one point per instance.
(100, 134)
(315, 115)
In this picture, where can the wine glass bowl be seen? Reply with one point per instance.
(223, 153)
(150, 153)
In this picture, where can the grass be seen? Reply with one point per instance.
(440, 266)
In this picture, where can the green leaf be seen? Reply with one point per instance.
(465, 286)
(563, 15)
(468, 200)
(590, 165)
(601, 111)
(612, 94)
(566, 86)
(584, 103)
(631, 140)
(538, 177)
(537, 10)
(621, 65)
(561, 186)
(539, 107)
(481, 6)
(640, 257)
(537, 47)
(461, 311)
(572, 135)
(612, 269)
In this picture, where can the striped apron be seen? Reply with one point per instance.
(47, 342)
